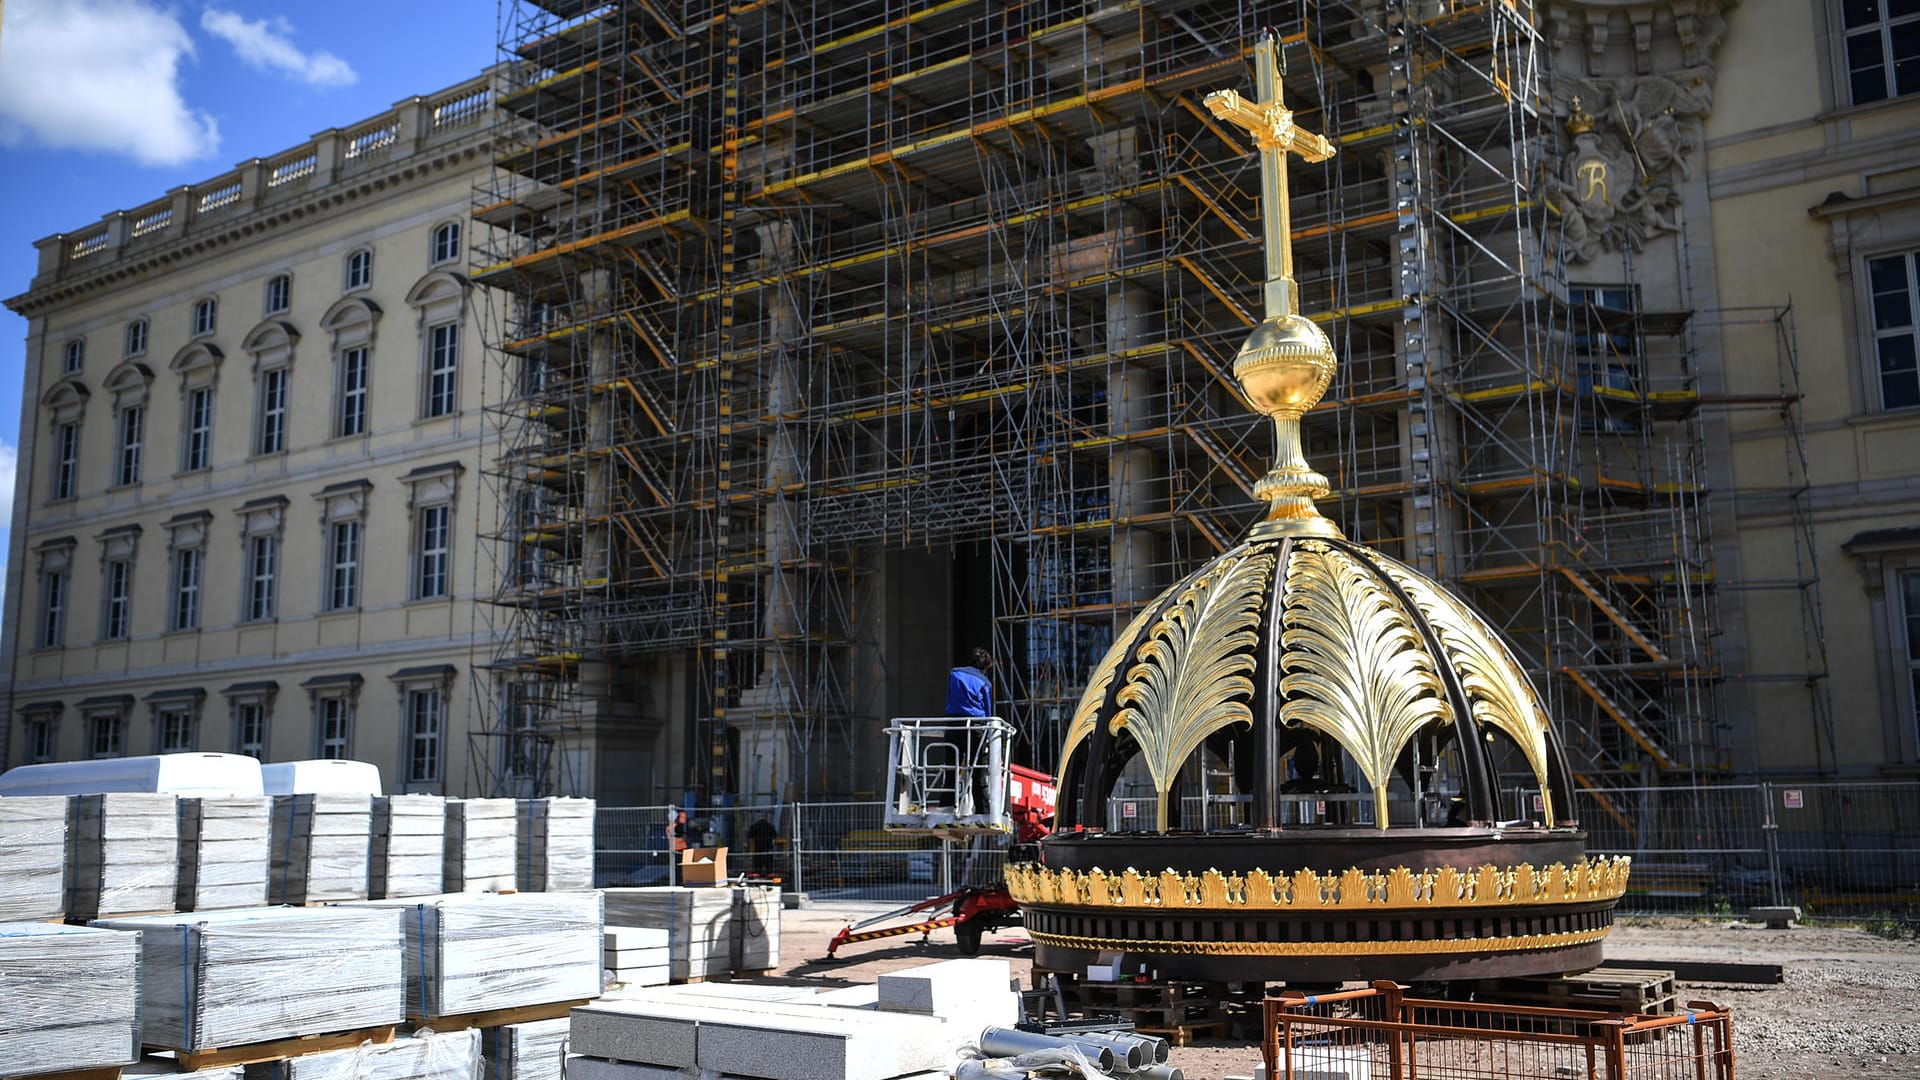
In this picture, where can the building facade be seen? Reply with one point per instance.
(251, 436)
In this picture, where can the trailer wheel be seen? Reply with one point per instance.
(967, 936)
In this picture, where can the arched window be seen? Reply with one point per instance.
(205, 313)
(359, 269)
(446, 243)
(73, 356)
(136, 337)
(279, 294)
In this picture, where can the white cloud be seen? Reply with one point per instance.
(99, 75)
(9, 463)
(265, 44)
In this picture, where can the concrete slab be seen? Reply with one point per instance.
(948, 986)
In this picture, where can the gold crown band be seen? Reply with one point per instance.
(1586, 881)
(1516, 943)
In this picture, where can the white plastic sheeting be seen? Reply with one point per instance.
(425, 1055)
(409, 845)
(225, 851)
(33, 857)
(480, 841)
(473, 952)
(229, 978)
(536, 1050)
(69, 998)
(709, 931)
(555, 845)
(124, 856)
(321, 847)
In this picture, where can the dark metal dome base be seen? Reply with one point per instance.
(1316, 943)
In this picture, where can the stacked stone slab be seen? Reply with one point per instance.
(710, 931)
(409, 846)
(476, 952)
(125, 855)
(231, 978)
(33, 857)
(321, 847)
(555, 845)
(867, 1033)
(480, 845)
(638, 956)
(536, 1050)
(147, 1068)
(225, 852)
(69, 998)
(425, 1055)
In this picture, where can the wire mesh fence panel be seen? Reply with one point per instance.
(631, 847)
(844, 852)
(758, 837)
(1849, 851)
(1697, 850)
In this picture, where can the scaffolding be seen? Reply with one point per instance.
(778, 286)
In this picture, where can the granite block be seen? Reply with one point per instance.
(938, 989)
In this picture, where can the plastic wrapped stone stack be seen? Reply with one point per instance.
(69, 998)
(535, 1050)
(480, 845)
(125, 857)
(913, 1023)
(220, 979)
(321, 847)
(409, 845)
(709, 931)
(638, 956)
(33, 857)
(556, 845)
(425, 1055)
(225, 852)
(477, 952)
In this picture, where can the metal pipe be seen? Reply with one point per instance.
(1131, 1051)
(1158, 1072)
(1012, 1042)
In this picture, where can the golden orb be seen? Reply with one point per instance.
(1285, 365)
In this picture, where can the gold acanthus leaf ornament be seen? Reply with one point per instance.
(1087, 716)
(1194, 672)
(1498, 692)
(1356, 668)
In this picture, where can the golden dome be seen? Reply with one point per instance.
(1312, 634)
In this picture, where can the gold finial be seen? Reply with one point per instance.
(1580, 121)
(1287, 362)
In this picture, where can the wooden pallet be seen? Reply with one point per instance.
(1184, 1034)
(1628, 990)
(496, 1017)
(279, 1049)
(107, 1072)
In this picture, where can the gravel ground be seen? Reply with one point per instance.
(1847, 1008)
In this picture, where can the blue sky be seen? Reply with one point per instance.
(107, 104)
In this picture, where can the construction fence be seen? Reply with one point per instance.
(1841, 851)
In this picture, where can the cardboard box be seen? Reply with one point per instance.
(703, 866)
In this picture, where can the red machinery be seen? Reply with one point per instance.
(951, 779)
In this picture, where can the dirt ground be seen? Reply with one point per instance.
(1847, 1008)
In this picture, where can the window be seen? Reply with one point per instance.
(187, 570)
(352, 412)
(42, 739)
(263, 563)
(66, 460)
(53, 609)
(203, 316)
(126, 468)
(279, 294)
(1895, 281)
(336, 726)
(196, 442)
(1883, 48)
(73, 356)
(136, 337)
(108, 735)
(424, 708)
(343, 566)
(250, 729)
(273, 412)
(359, 270)
(116, 599)
(443, 355)
(430, 555)
(175, 730)
(446, 243)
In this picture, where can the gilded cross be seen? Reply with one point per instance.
(1271, 124)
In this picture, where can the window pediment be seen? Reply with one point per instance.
(199, 362)
(128, 382)
(65, 400)
(270, 336)
(349, 313)
(439, 295)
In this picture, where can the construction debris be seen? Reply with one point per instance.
(125, 856)
(480, 845)
(321, 847)
(225, 852)
(69, 997)
(33, 857)
(479, 952)
(409, 846)
(232, 978)
(555, 845)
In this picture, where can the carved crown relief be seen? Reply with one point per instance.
(1628, 138)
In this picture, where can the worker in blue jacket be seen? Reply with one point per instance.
(970, 686)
